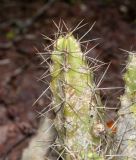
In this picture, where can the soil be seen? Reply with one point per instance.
(20, 66)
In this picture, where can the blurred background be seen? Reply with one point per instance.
(22, 25)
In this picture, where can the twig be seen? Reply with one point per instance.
(4, 62)
(39, 13)
(6, 45)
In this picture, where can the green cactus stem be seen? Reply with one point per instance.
(77, 131)
(127, 123)
(72, 87)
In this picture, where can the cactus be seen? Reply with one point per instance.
(74, 133)
(78, 130)
(127, 114)
(77, 121)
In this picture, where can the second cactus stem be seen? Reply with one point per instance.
(127, 120)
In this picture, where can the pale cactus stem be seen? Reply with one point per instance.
(39, 147)
(127, 114)
(74, 101)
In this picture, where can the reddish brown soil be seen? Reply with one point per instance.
(19, 72)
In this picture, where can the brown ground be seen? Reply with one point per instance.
(19, 65)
